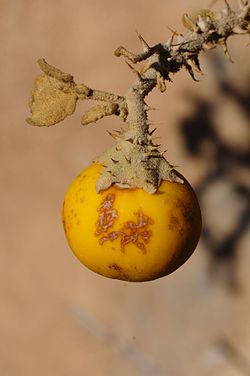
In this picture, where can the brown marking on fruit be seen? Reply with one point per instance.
(107, 214)
(110, 236)
(135, 232)
(120, 272)
(173, 222)
(187, 211)
(81, 177)
(116, 267)
(64, 225)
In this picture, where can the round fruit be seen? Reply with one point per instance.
(130, 234)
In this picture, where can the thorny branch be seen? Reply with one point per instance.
(135, 159)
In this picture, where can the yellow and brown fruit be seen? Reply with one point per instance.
(127, 233)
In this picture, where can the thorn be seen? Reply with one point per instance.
(119, 131)
(225, 50)
(228, 6)
(145, 45)
(173, 167)
(194, 64)
(172, 39)
(174, 31)
(151, 132)
(128, 159)
(130, 140)
(112, 134)
(134, 70)
(148, 108)
(145, 67)
(113, 160)
(190, 71)
(174, 34)
(163, 152)
(111, 173)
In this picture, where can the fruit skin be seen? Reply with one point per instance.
(129, 234)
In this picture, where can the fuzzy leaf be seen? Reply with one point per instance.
(51, 101)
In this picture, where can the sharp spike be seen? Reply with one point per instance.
(174, 31)
(145, 45)
(194, 64)
(112, 134)
(228, 6)
(128, 159)
(145, 67)
(134, 70)
(119, 131)
(148, 108)
(114, 160)
(190, 70)
(225, 50)
(151, 132)
(130, 140)
(174, 34)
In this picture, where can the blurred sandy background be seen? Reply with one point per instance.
(56, 317)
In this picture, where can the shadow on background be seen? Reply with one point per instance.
(225, 163)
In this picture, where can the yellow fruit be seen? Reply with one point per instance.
(129, 234)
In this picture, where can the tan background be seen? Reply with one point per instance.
(56, 317)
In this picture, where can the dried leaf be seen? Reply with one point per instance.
(51, 101)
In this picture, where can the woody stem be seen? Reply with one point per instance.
(137, 119)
